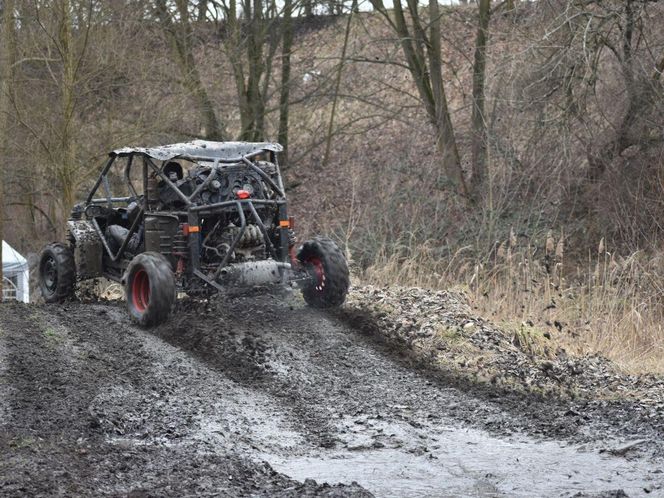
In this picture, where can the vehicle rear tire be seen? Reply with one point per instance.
(57, 273)
(150, 288)
(328, 268)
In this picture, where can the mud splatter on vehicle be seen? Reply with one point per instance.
(196, 218)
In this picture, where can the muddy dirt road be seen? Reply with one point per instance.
(262, 396)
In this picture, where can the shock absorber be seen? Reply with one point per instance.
(180, 249)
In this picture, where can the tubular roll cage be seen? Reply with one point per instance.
(194, 212)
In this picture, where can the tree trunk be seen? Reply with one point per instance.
(256, 68)
(284, 91)
(251, 44)
(308, 6)
(445, 141)
(202, 10)
(423, 57)
(479, 146)
(67, 167)
(7, 55)
(337, 84)
(234, 53)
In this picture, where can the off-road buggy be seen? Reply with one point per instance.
(208, 216)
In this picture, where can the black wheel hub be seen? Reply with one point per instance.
(50, 273)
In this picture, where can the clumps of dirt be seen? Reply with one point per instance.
(93, 406)
(548, 392)
(441, 328)
(310, 488)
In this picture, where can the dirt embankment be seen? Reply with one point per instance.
(257, 395)
(522, 366)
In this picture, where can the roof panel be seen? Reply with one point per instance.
(200, 149)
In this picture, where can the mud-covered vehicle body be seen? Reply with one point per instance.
(196, 218)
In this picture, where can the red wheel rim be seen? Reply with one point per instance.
(140, 291)
(317, 271)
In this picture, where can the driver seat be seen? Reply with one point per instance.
(116, 234)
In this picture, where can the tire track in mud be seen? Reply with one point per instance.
(199, 404)
(376, 413)
(237, 339)
(98, 408)
(313, 363)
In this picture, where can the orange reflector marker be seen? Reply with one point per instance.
(284, 223)
(243, 194)
(187, 229)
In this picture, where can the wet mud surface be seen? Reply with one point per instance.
(258, 395)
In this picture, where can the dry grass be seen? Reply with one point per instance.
(610, 305)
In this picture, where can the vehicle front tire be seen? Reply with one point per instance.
(327, 266)
(57, 273)
(150, 288)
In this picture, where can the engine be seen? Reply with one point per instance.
(218, 241)
(221, 229)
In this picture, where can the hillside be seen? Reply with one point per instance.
(565, 230)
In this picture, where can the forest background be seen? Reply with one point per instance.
(510, 149)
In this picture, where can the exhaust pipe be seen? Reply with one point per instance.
(254, 273)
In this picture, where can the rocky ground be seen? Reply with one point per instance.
(400, 393)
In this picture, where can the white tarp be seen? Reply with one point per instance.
(16, 274)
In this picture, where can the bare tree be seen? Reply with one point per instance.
(70, 66)
(642, 89)
(479, 146)
(284, 91)
(62, 48)
(337, 84)
(180, 35)
(7, 48)
(202, 10)
(591, 48)
(422, 51)
(251, 38)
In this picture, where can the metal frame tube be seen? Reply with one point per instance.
(264, 176)
(103, 173)
(125, 242)
(263, 230)
(283, 234)
(127, 173)
(169, 183)
(263, 202)
(111, 200)
(236, 241)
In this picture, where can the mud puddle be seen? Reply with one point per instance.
(347, 410)
(468, 462)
